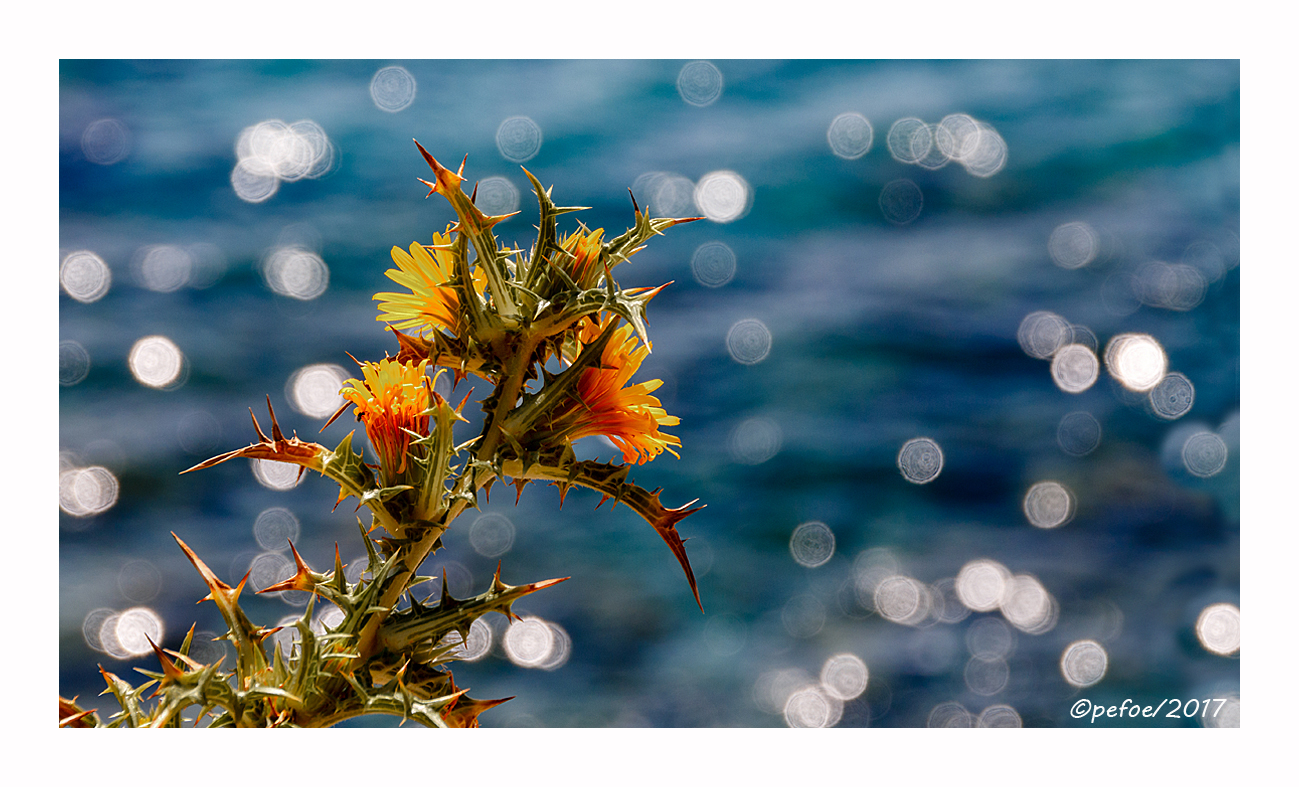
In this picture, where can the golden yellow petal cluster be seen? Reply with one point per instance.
(392, 401)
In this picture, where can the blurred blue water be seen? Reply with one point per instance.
(880, 333)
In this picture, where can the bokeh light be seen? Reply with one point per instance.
(157, 362)
(901, 201)
(1028, 606)
(392, 89)
(755, 440)
(920, 460)
(518, 139)
(1172, 397)
(665, 193)
(1041, 334)
(491, 535)
(1048, 504)
(773, 688)
(699, 83)
(560, 650)
(528, 642)
(844, 677)
(131, 632)
(748, 342)
(1225, 715)
(162, 268)
(476, 647)
(1204, 454)
(1074, 368)
(989, 638)
(1073, 245)
(1136, 361)
(274, 151)
(85, 276)
(106, 141)
(1000, 716)
(904, 600)
(314, 390)
(87, 491)
(497, 196)
(986, 677)
(909, 140)
(275, 528)
(276, 475)
(1078, 434)
(1218, 629)
(812, 707)
(1176, 287)
(723, 196)
(989, 154)
(957, 136)
(295, 272)
(850, 136)
(713, 264)
(981, 583)
(74, 363)
(812, 544)
(1084, 663)
(949, 714)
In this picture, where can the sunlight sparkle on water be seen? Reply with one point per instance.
(1218, 629)
(295, 272)
(273, 151)
(713, 264)
(106, 141)
(699, 83)
(85, 276)
(87, 491)
(528, 642)
(723, 196)
(812, 544)
(920, 460)
(1172, 397)
(491, 535)
(1084, 663)
(275, 528)
(1074, 368)
(1136, 361)
(478, 644)
(1048, 504)
(314, 390)
(981, 583)
(1073, 245)
(497, 196)
(812, 707)
(950, 714)
(392, 89)
(1043, 333)
(902, 599)
(755, 440)
(1204, 454)
(850, 135)
(901, 201)
(163, 268)
(1078, 434)
(157, 362)
(74, 363)
(518, 139)
(748, 342)
(1003, 716)
(276, 475)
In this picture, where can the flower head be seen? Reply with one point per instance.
(584, 268)
(600, 405)
(431, 304)
(392, 401)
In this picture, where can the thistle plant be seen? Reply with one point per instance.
(558, 341)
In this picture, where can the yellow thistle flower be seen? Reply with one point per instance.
(392, 402)
(600, 405)
(584, 268)
(430, 304)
